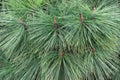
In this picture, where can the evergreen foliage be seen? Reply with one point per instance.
(59, 40)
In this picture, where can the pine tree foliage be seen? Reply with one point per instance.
(59, 40)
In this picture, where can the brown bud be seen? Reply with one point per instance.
(22, 23)
(55, 23)
(94, 9)
(0, 63)
(62, 54)
(93, 50)
(81, 18)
